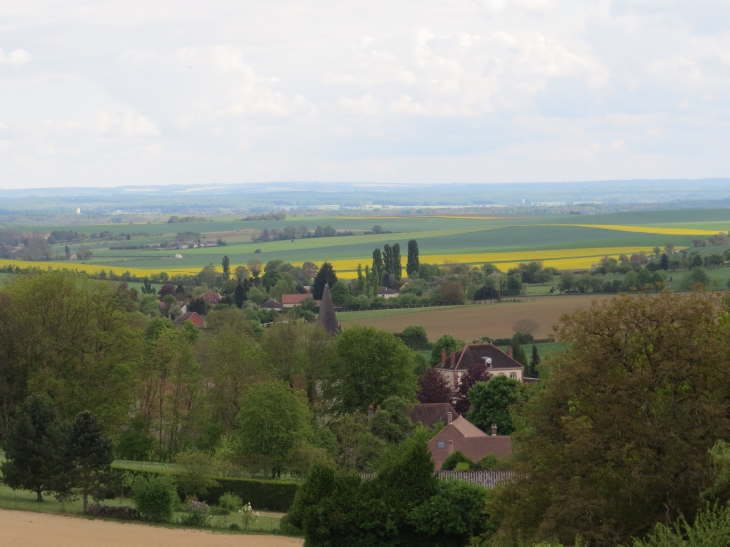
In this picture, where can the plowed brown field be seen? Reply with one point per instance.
(493, 320)
(20, 528)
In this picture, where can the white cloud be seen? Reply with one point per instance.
(17, 57)
(472, 90)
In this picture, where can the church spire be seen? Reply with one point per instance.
(327, 316)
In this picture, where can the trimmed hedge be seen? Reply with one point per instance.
(261, 494)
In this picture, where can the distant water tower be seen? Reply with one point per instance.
(78, 210)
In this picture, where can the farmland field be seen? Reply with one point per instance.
(561, 241)
(38, 529)
(474, 321)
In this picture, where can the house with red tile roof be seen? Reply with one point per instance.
(496, 361)
(463, 436)
(193, 317)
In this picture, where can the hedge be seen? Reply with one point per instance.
(262, 494)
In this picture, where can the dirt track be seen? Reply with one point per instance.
(20, 528)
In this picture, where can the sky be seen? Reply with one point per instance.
(109, 93)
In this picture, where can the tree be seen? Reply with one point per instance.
(518, 354)
(414, 337)
(147, 287)
(534, 362)
(396, 268)
(490, 403)
(34, 448)
(326, 274)
(446, 342)
(239, 294)
(392, 422)
(434, 388)
(378, 264)
(67, 252)
(451, 292)
(90, 453)
(472, 375)
(226, 265)
(254, 267)
(165, 290)
(697, 262)
(623, 422)
(273, 419)
(455, 458)
(340, 294)
(664, 262)
(486, 292)
(387, 260)
(526, 326)
(413, 260)
(370, 365)
(194, 472)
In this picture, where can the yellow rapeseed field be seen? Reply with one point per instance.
(561, 259)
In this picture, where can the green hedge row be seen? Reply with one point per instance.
(262, 494)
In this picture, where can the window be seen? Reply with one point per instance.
(442, 444)
(512, 375)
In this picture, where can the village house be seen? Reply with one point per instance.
(387, 293)
(496, 361)
(271, 304)
(463, 436)
(293, 300)
(429, 414)
(192, 317)
(211, 298)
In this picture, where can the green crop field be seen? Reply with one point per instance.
(562, 241)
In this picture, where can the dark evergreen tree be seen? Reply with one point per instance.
(413, 260)
(67, 251)
(534, 361)
(518, 354)
(395, 266)
(326, 274)
(239, 294)
(485, 292)
(664, 262)
(198, 306)
(90, 454)
(34, 448)
(226, 264)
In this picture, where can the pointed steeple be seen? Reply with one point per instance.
(327, 316)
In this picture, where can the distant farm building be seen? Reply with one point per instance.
(193, 317)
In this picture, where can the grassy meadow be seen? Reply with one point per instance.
(563, 241)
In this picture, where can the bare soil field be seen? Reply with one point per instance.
(493, 320)
(42, 530)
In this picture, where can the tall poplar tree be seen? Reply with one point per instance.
(387, 261)
(226, 263)
(413, 260)
(396, 269)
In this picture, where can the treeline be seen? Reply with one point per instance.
(281, 215)
(175, 219)
(299, 232)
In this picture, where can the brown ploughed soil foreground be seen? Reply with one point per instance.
(26, 529)
(493, 320)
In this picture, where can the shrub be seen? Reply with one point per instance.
(230, 502)
(155, 497)
(286, 526)
(454, 459)
(462, 466)
(219, 511)
(234, 526)
(197, 515)
(490, 461)
(111, 511)
(710, 528)
(248, 515)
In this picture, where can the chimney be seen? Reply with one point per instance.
(509, 351)
(494, 430)
(453, 359)
(449, 417)
(451, 447)
(443, 357)
(370, 410)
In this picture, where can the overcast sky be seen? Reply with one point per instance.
(103, 93)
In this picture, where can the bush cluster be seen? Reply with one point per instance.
(110, 511)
